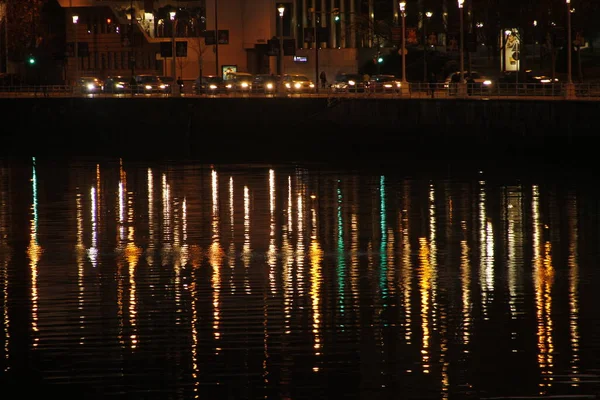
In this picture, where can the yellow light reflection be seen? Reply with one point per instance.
(543, 280)
(272, 252)
(486, 264)
(215, 257)
(406, 271)
(92, 251)
(515, 249)
(465, 278)
(354, 259)
(5, 258)
(166, 247)
(151, 221)
(132, 255)
(80, 253)
(231, 249)
(425, 292)
(246, 252)
(34, 252)
(288, 260)
(300, 247)
(316, 257)
(574, 291)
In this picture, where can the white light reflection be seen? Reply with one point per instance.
(465, 278)
(543, 278)
(5, 258)
(151, 221)
(132, 255)
(80, 253)
(573, 223)
(406, 270)
(300, 247)
(167, 249)
(272, 253)
(383, 265)
(231, 249)
(120, 250)
(34, 252)
(92, 251)
(486, 264)
(288, 260)
(246, 252)
(316, 257)
(515, 250)
(215, 256)
(341, 256)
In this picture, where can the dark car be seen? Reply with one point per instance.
(89, 85)
(530, 78)
(146, 84)
(210, 84)
(385, 84)
(117, 84)
(349, 83)
(265, 83)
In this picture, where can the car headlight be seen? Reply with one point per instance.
(119, 86)
(244, 84)
(229, 86)
(212, 87)
(545, 81)
(312, 85)
(149, 87)
(351, 83)
(287, 85)
(163, 86)
(269, 86)
(387, 85)
(487, 82)
(91, 86)
(398, 84)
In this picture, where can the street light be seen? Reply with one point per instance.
(75, 21)
(403, 48)
(428, 14)
(174, 86)
(281, 10)
(569, 44)
(462, 40)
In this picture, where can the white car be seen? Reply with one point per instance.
(474, 79)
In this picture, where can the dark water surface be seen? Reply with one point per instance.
(182, 281)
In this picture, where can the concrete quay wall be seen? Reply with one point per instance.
(288, 129)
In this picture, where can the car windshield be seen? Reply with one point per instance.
(300, 78)
(475, 75)
(212, 79)
(349, 77)
(385, 78)
(148, 79)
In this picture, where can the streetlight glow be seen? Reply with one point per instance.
(461, 3)
(403, 46)
(428, 14)
(172, 15)
(402, 6)
(75, 19)
(281, 10)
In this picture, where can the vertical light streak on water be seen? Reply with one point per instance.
(573, 223)
(486, 263)
(406, 270)
(542, 277)
(341, 254)
(34, 252)
(288, 279)
(121, 245)
(383, 267)
(513, 243)
(433, 256)
(272, 253)
(80, 258)
(247, 251)
(465, 278)
(5, 259)
(425, 292)
(166, 222)
(216, 260)
(195, 334)
(231, 257)
(316, 256)
(151, 222)
(132, 253)
(354, 260)
(92, 251)
(300, 247)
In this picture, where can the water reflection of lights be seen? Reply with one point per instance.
(34, 252)
(151, 222)
(215, 256)
(288, 259)
(543, 272)
(80, 252)
(231, 249)
(425, 288)
(341, 255)
(132, 255)
(246, 252)
(5, 258)
(514, 218)
(465, 278)
(300, 247)
(92, 251)
(574, 291)
(272, 253)
(383, 265)
(486, 243)
(316, 256)
(406, 271)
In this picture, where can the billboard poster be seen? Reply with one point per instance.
(511, 46)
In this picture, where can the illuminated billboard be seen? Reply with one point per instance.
(510, 50)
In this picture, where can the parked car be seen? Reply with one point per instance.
(349, 83)
(385, 84)
(117, 84)
(239, 82)
(476, 83)
(210, 84)
(89, 85)
(147, 84)
(265, 83)
(298, 84)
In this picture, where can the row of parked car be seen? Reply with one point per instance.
(142, 84)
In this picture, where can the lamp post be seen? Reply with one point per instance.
(75, 21)
(403, 47)
(428, 14)
(281, 10)
(174, 86)
(462, 40)
(569, 44)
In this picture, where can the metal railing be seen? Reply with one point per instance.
(555, 91)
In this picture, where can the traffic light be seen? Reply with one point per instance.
(31, 60)
(336, 14)
(380, 60)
